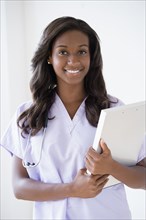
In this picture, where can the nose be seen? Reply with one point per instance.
(73, 60)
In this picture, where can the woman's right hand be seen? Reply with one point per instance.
(88, 186)
(26, 188)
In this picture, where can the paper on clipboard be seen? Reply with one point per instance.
(123, 129)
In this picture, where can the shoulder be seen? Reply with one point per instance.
(23, 107)
(114, 101)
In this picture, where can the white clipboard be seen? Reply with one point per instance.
(123, 129)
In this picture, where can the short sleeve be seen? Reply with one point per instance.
(12, 139)
(142, 152)
(115, 102)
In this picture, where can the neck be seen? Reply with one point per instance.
(71, 94)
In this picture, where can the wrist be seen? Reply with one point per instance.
(113, 167)
(71, 190)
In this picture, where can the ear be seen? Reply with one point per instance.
(49, 60)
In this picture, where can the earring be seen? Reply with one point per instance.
(48, 62)
(51, 87)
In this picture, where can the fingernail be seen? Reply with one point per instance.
(102, 141)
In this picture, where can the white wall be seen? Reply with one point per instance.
(121, 28)
(13, 91)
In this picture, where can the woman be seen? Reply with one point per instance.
(50, 137)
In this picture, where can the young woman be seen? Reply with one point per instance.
(51, 136)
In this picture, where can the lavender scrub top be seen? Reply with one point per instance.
(64, 148)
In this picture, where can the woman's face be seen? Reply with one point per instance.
(70, 57)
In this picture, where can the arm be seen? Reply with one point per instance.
(134, 177)
(83, 186)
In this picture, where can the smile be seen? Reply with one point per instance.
(72, 71)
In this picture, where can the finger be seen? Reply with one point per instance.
(92, 153)
(89, 159)
(104, 146)
(88, 165)
(102, 181)
(83, 171)
(103, 184)
(97, 176)
(102, 177)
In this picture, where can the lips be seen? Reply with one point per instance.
(72, 71)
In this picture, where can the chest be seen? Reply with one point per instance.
(72, 108)
(64, 148)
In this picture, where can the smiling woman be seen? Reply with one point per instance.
(70, 58)
(52, 134)
(66, 32)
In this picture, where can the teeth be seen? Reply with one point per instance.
(73, 71)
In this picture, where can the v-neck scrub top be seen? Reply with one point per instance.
(62, 156)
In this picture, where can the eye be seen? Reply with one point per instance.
(62, 52)
(82, 52)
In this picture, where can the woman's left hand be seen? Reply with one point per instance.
(99, 163)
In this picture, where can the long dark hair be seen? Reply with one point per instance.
(44, 78)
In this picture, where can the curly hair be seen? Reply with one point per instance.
(44, 78)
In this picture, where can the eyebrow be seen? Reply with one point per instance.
(82, 45)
